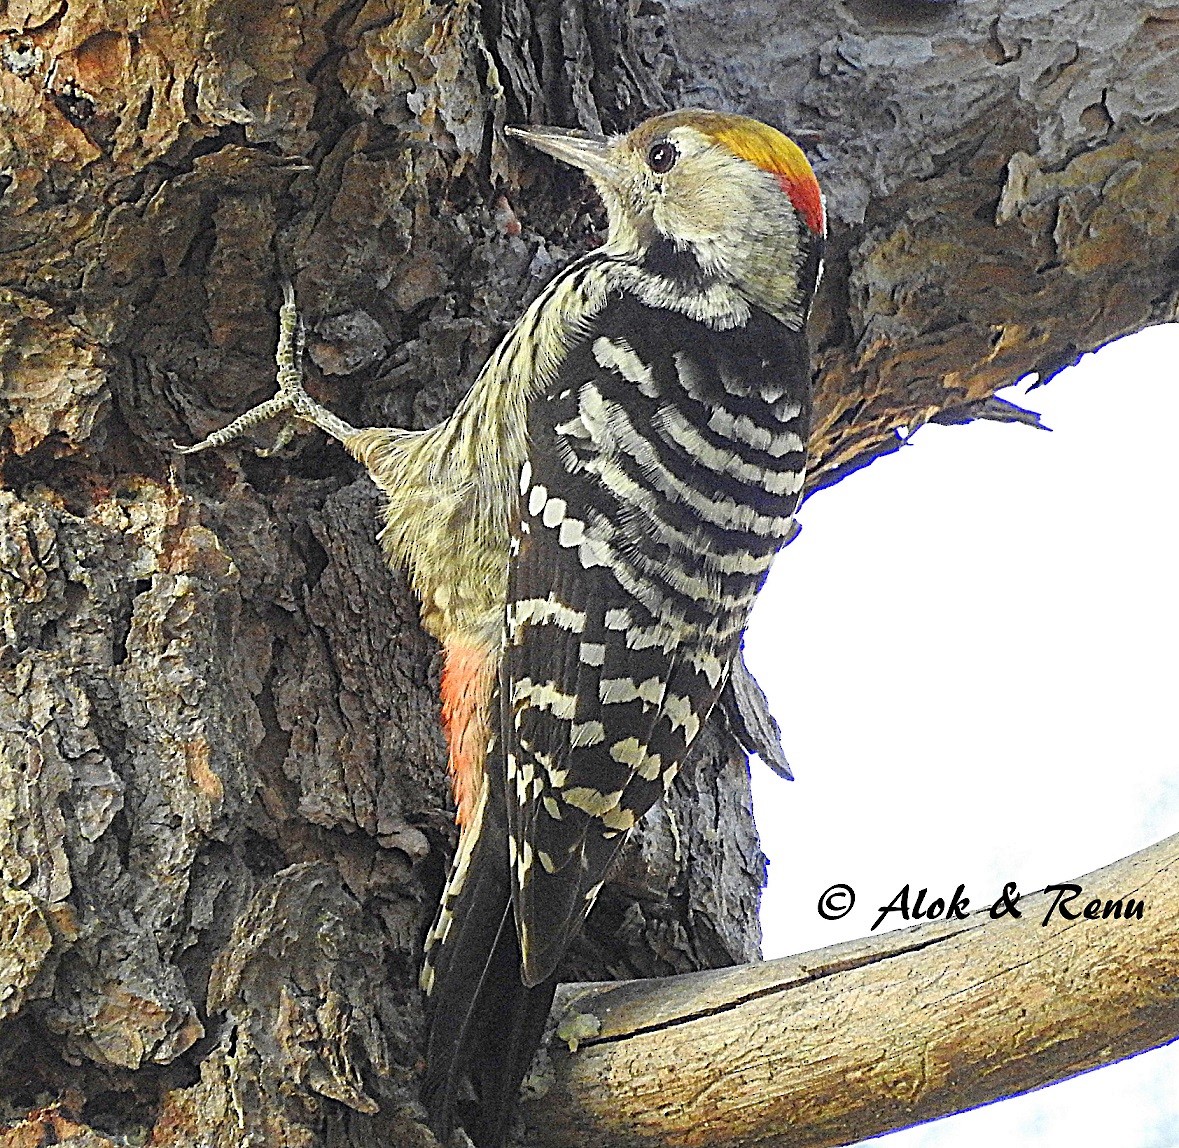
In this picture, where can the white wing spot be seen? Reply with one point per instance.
(572, 532)
(594, 552)
(620, 819)
(554, 512)
(628, 690)
(545, 696)
(592, 653)
(525, 861)
(586, 733)
(631, 752)
(544, 612)
(709, 665)
(678, 710)
(574, 428)
(591, 801)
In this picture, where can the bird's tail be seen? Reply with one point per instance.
(484, 1024)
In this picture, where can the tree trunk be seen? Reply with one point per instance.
(223, 817)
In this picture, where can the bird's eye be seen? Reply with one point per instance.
(662, 157)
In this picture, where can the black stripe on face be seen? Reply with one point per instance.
(677, 264)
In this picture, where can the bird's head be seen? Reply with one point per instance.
(709, 202)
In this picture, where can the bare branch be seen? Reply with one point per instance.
(838, 1045)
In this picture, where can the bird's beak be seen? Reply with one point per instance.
(590, 153)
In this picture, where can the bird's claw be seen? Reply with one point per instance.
(292, 398)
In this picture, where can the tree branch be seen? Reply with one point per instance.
(838, 1045)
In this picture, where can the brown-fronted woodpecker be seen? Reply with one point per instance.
(587, 533)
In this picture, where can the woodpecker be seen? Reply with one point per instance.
(587, 534)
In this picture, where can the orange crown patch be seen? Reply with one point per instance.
(774, 152)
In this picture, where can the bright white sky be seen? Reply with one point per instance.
(971, 650)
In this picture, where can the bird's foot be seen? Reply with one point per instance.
(292, 399)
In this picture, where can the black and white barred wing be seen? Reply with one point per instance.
(655, 494)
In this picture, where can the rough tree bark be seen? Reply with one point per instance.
(223, 821)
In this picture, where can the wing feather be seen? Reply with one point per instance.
(656, 490)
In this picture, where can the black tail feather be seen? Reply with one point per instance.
(484, 1024)
(515, 1021)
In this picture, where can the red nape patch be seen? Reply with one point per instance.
(467, 677)
(807, 199)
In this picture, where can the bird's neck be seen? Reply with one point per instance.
(718, 282)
